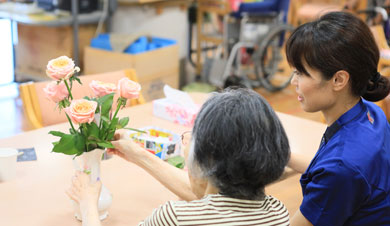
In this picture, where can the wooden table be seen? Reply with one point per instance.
(37, 196)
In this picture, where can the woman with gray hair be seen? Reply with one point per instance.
(238, 146)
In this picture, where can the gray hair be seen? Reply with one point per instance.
(238, 143)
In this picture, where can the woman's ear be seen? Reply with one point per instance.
(340, 80)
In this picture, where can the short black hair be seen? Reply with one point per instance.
(239, 143)
(339, 41)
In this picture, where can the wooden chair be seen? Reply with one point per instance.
(384, 63)
(380, 39)
(41, 111)
(303, 11)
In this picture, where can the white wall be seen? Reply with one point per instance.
(171, 23)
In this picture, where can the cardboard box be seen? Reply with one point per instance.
(154, 68)
(39, 44)
(161, 142)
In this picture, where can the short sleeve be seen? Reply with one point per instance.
(164, 216)
(334, 192)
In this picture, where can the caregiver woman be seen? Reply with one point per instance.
(348, 181)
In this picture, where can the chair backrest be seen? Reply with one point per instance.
(267, 6)
(308, 10)
(41, 111)
(379, 35)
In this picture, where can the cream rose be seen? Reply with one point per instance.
(55, 92)
(128, 89)
(61, 68)
(81, 111)
(100, 88)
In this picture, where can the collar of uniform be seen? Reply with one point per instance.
(351, 114)
(348, 116)
(330, 131)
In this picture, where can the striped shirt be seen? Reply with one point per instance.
(220, 210)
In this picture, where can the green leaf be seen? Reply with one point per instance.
(106, 144)
(77, 79)
(91, 143)
(78, 154)
(84, 129)
(177, 161)
(112, 126)
(93, 139)
(61, 104)
(57, 133)
(70, 144)
(55, 143)
(106, 104)
(72, 131)
(65, 103)
(93, 130)
(122, 123)
(80, 142)
(111, 135)
(105, 118)
(104, 126)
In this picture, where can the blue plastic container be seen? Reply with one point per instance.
(102, 41)
(143, 44)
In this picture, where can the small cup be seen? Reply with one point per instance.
(8, 163)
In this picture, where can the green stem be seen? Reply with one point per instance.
(120, 102)
(69, 90)
(70, 121)
(101, 120)
(136, 130)
(84, 133)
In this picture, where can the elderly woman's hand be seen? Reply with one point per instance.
(126, 148)
(85, 192)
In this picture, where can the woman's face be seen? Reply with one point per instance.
(314, 93)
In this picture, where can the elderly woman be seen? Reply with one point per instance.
(238, 146)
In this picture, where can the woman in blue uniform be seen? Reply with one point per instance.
(348, 181)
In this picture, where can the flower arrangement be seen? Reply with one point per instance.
(93, 115)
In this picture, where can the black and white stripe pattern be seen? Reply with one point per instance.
(220, 210)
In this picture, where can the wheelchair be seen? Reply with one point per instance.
(256, 38)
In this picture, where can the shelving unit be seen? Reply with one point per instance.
(218, 7)
(158, 4)
(74, 19)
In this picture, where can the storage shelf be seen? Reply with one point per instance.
(87, 18)
(29, 14)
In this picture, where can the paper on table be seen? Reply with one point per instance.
(180, 98)
(26, 154)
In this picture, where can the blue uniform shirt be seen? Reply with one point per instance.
(348, 180)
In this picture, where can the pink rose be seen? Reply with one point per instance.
(128, 89)
(100, 88)
(55, 92)
(81, 111)
(61, 68)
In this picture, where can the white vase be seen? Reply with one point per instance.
(89, 162)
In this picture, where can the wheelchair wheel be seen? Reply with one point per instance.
(271, 68)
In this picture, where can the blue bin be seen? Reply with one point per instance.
(102, 41)
(139, 46)
(143, 44)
